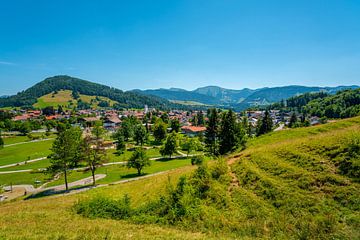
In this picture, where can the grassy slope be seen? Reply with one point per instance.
(289, 183)
(63, 98)
(288, 187)
(48, 217)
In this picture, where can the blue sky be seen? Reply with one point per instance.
(186, 44)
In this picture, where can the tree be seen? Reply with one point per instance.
(200, 119)
(65, 152)
(169, 147)
(93, 155)
(49, 110)
(140, 134)
(265, 124)
(60, 110)
(138, 160)
(120, 141)
(75, 94)
(231, 133)
(175, 125)
(211, 133)
(293, 120)
(127, 128)
(121, 145)
(191, 144)
(159, 130)
(25, 128)
(197, 160)
(165, 117)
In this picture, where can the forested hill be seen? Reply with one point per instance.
(57, 83)
(343, 104)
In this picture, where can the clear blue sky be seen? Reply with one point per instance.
(187, 44)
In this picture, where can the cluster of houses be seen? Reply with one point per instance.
(112, 118)
(277, 116)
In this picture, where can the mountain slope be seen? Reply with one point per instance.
(57, 83)
(182, 95)
(239, 99)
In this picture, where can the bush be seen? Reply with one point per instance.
(197, 160)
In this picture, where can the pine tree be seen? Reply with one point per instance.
(231, 133)
(265, 124)
(293, 120)
(211, 133)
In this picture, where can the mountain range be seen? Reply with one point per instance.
(164, 98)
(238, 99)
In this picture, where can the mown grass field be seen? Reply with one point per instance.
(285, 185)
(24, 152)
(19, 139)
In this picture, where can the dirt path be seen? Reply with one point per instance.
(234, 180)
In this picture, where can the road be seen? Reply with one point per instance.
(280, 127)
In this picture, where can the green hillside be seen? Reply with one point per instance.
(65, 99)
(57, 83)
(292, 184)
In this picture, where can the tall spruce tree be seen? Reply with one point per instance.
(265, 125)
(231, 134)
(211, 133)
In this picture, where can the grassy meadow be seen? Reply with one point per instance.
(292, 184)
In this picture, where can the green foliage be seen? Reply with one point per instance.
(175, 125)
(212, 131)
(138, 160)
(197, 160)
(191, 144)
(105, 208)
(65, 152)
(231, 134)
(293, 120)
(159, 130)
(183, 204)
(170, 145)
(140, 134)
(265, 125)
(127, 127)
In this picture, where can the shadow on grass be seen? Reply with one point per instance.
(167, 159)
(50, 192)
(132, 175)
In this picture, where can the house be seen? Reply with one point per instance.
(192, 130)
(89, 121)
(112, 122)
